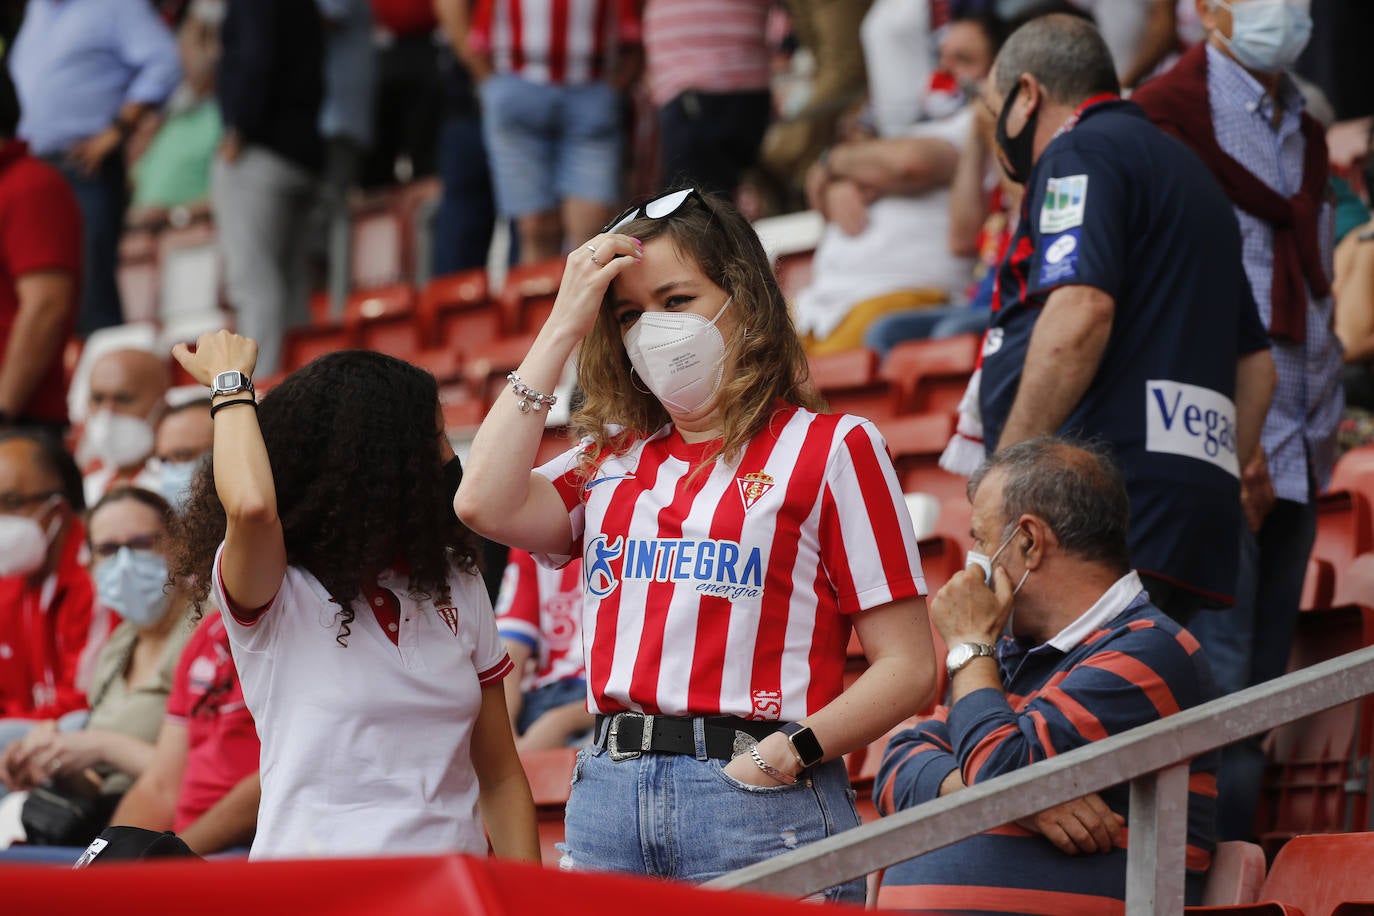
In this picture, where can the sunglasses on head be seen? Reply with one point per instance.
(659, 207)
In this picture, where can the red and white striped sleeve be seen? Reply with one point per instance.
(568, 479)
(517, 605)
(868, 545)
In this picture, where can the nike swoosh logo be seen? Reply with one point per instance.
(591, 483)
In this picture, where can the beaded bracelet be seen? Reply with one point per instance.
(529, 398)
(771, 770)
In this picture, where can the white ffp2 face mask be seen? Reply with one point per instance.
(116, 440)
(984, 562)
(24, 543)
(680, 356)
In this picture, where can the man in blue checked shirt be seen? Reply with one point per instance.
(88, 72)
(1233, 102)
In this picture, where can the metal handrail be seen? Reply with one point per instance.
(1153, 757)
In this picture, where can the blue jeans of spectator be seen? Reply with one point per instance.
(546, 143)
(708, 139)
(922, 324)
(550, 696)
(103, 198)
(680, 816)
(467, 212)
(1250, 642)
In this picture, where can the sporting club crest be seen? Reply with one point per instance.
(753, 487)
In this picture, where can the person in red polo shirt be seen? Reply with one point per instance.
(40, 275)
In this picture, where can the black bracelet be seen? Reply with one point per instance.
(223, 404)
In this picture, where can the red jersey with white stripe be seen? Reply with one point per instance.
(727, 589)
(542, 608)
(554, 41)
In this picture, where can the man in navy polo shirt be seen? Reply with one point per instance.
(1121, 311)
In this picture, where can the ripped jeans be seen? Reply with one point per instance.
(678, 816)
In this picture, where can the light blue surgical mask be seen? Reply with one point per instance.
(174, 482)
(131, 583)
(1267, 35)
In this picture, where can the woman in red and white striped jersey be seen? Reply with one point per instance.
(731, 535)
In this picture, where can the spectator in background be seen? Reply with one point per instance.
(202, 782)
(408, 100)
(708, 67)
(185, 434)
(539, 616)
(1088, 656)
(174, 171)
(128, 388)
(40, 278)
(886, 201)
(345, 126)
(466, 217)
(1099, 328)
(551, 75)
(270, 87)
(1231, 100)
(128, 534)
(88, 72)
(829, 30)
(46, 595)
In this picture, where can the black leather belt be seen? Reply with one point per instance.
(629, 734)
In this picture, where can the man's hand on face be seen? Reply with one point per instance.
(966, 610)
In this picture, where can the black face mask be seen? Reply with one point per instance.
(1018, 153)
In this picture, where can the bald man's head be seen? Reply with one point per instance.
(129, 382)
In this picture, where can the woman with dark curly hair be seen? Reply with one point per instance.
(362, 632)
(732, 536)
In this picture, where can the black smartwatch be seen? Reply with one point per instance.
(804, 743)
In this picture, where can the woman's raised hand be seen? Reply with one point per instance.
(216, 352)
(587, 275)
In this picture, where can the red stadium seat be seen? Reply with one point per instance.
(916, 443)
(386, 320)
(1315, 782)
(1312, 874)
(1355, 471)
(555, 441)
(550, 776)
(139, 284)
(445, 365)
(1236, 875)
(455, 311)
(463, 406)
(849, 383)
(1343, 527)
(794, 272)
(1355, 584)
(528, 294)
(930, 375)
(1319, 586)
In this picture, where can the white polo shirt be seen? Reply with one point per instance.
(366, 749)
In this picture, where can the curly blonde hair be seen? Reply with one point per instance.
(769, 365)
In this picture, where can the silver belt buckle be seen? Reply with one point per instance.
(613, 738)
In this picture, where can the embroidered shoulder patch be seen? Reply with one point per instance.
(1065, 203)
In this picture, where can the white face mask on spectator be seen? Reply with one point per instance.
(24, 543)
(1267, 35)
(984, 562)
(174, 482)
(680, 356)
(116, 440)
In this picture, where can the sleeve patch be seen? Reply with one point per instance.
(1065, 204)
(1060, 260)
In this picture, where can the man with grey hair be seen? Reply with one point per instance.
(1053, 644)
(1232, 100)
(1121, 312)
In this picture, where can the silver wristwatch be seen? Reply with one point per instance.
(965, 652)
(231, 382)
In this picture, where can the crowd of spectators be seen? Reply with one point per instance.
(1072, 179)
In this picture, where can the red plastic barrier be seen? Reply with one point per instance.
(344, 887)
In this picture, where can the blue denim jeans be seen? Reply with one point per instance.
(1249, 643)
(103, 198)
(681, 817)
(466, 216)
